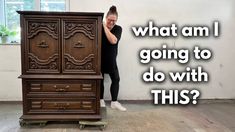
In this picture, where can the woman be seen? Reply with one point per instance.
(110, 37)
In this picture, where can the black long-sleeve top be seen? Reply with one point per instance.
(109, 51)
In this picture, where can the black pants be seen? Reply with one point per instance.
(114, 89)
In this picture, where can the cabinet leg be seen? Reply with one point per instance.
(81, 127)
(24, 123)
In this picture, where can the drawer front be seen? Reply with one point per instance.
(44, 105)
(85, 86)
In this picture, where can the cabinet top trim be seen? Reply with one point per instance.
(61, 76)
(60, 13)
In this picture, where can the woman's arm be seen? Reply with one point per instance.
(111, 38)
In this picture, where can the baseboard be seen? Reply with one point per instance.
(209, 101)
(10, 102)
(201, 101)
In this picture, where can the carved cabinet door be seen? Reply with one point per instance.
(79, 44)
(42, 43)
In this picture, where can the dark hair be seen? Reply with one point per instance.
(112, 11)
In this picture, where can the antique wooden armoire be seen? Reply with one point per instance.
(61, 58)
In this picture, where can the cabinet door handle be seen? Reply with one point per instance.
(43, 44)
(79, 44)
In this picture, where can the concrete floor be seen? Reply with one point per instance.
(140, 117)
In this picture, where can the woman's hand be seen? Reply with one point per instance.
(111, 38)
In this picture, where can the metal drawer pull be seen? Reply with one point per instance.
(57, 89)
(62, 105)
(79, 45)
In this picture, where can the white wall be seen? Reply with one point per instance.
(162, 12)
(10, 69)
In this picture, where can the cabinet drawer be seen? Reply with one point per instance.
(71, 86)
(44, 105)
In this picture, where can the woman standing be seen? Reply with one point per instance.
(111, 35)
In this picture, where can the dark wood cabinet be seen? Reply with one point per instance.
(61, 56)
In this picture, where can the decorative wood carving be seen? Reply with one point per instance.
(72, 27)
(36, 63)
(36, 104)
(50, 27)
(85, 64)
